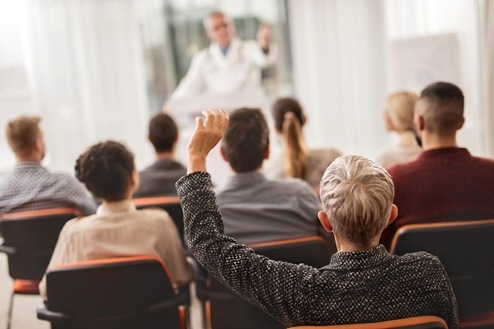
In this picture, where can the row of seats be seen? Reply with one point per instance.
(463, 247)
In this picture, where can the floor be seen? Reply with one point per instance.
(24, 314)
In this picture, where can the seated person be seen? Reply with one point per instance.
(30, 186)
(362, 282)
(296, 160)
(118, 229)
(160, 177)
(445, 183)
(254, 208)
(398, 118)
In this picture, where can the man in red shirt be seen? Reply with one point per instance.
(445, 183)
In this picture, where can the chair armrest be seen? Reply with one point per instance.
(181, 299)
(54, 317)
(8, 250)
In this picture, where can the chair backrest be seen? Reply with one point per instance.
(417, 322)
(466, 251)
(171, 204)
(125, 292)
(30, 238)
(226, 309)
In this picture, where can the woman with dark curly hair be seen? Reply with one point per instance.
(118, 229)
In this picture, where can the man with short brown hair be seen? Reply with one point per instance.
(445, 183)
(30, 186)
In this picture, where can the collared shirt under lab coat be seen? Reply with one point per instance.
(212, 72)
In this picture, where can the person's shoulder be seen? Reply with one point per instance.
(422, 258)
(487, 162)
(401, 169)
(291, 185)
(154, 214)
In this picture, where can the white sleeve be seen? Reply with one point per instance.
(193, 82)
(258, 57)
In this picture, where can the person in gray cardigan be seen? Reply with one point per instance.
(362, 283)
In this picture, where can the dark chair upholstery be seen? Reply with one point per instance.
(223, 309)
(171, 204)
(123, 293)
(29, 240)
(465, 249)
(417, 322)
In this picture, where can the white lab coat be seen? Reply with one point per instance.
(212, 72)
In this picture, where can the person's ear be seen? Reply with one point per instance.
(223, 155)
(267, 153)
(393, 213)
(461, 123)
(323, 218)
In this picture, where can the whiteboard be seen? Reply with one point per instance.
(416, 62)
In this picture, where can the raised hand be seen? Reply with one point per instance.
(209, 131)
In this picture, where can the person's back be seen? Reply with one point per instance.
(159, 178)
(254, 208)
(362, 282)
(30, 186)
(118, 229)
(445, 183)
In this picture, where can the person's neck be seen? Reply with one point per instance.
(29, 158)
(430, 142)
(343, 245)
(170, 155)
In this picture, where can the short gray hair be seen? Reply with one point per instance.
(357, 195)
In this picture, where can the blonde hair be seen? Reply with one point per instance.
(400, 106)
(357, 195)
(23, 133)
(296, 153)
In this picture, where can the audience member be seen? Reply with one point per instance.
(398, 118)
(256, 209)
(362, 282)
(160, 177)
(118, 229)
(445, 183)
(296, 160)
(30, 186)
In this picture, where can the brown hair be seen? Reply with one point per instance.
(162, 132)
(246, 139)
(444, 113)
(22, 134)
(289, 119)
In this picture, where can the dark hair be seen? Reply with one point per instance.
(105, 170)
(246, 139)
(445, 107)
(289, 119)
(162, 132)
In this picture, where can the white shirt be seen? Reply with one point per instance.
(118, 229)
(405, 150)
(212, 72)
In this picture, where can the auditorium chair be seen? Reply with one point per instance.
(171, 204)
(417, 322)
(223, 309)
(114, 293)
(29, 240)
(465, 248)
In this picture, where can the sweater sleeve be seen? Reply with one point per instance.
(276, 287)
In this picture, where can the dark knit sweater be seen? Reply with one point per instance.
(446, 184)
(354, 287)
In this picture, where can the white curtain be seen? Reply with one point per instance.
(86, 74)
(339, 59)
(488, 39)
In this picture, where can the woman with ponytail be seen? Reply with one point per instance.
(296, 161)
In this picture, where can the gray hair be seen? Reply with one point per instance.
(206, 20)
(357, 195)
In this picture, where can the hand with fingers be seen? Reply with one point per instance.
(209, 131)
